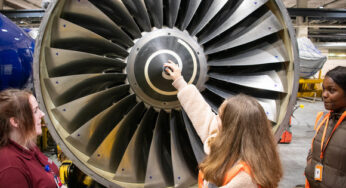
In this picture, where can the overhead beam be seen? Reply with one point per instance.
(331, 45)
(336, 36)
(16, 14)
(327, 30)
(317, 12)
(293, 12)
(324, 26)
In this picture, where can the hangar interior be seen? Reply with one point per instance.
(318, 23)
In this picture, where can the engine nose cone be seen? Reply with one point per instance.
(145, 65)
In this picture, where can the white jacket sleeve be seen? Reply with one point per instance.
(240, 181)
(204, 120)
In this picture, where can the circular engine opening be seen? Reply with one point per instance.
(98, 76)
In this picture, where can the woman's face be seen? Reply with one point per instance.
(334, 97)
(38, 114)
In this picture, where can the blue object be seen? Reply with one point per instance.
(16, 55)
(47, 168)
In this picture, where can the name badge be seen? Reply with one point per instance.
(318, 172)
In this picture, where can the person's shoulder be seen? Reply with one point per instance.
(242, 179)
(9, 158)
(14, 177)
(6, 152)
(13, 170)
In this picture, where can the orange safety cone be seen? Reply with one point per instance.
(286, 136)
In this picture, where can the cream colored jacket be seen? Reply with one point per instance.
(206, 124)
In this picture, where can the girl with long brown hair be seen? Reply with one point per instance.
(239, 141)
(22, 164)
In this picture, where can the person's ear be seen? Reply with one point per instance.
(14, 122)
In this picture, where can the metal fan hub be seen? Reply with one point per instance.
(147, 57)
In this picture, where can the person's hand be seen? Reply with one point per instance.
(174, 72)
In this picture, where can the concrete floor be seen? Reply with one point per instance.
(293, 155)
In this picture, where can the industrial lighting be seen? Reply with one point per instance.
(340, 55)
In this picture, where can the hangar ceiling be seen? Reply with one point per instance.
(320, 28)
(323, 25)
(331, 4)
(317, 4)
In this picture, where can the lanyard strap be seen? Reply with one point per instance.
(319, 115)
(326, 121)
(336, 126)
(324, 136)
(318, 128)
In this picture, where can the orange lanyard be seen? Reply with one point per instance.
(326, 119)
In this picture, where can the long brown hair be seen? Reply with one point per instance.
(245, 135)
(15, 104)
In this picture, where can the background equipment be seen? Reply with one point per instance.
(16, 55)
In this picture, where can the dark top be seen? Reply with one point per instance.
(24, 168)
(334, 161)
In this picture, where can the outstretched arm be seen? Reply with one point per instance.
(200, 113)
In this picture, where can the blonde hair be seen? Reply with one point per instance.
(245, 135)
